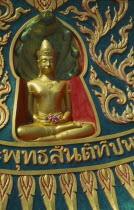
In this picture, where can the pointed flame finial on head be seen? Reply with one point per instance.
(46, 49)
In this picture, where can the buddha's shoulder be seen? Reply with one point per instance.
(33, 82)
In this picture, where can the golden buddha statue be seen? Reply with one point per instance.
(50, 104)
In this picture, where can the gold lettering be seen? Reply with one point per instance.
(86, 154)
(59, 156)
(113, 146)
(8, 155)
(100, 151)
(76, 156)
(128, 146)
(42, 157)
(31, 156)
(16, 157)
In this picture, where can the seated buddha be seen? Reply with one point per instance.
(50, 104)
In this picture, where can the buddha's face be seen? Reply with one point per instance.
(46, 64)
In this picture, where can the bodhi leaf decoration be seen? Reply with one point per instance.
(46, 26)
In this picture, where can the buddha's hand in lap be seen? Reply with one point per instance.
(67, 116)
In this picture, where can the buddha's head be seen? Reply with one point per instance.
(46, 58)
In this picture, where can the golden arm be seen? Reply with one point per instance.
(67, 98)
(30, 100)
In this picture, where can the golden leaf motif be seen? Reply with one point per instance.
(125, 175)
(107, 94)
(26, 187)
(69, 188)
(10, 15)
(48, 190)
(6, 184)
(89, 185)
(101, 28)
(106, 179)
(4, 39)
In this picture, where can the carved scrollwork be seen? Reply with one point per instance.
(107, 94)
(100, 29)
(10, 15)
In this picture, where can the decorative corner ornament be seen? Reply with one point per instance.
(66, 104)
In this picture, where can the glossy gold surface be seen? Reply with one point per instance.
(50, 104)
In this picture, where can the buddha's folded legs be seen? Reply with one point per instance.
(34, 131)
(87, 129)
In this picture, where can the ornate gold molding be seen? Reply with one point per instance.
(89, 185)
(48, 189)
(26, 187)
(68, 185)
(10, 15)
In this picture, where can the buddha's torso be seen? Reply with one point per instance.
(48, 94)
